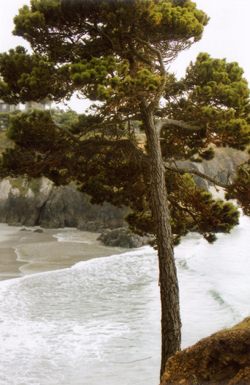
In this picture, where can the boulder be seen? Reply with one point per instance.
(122, 237)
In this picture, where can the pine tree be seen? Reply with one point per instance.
(115, 53)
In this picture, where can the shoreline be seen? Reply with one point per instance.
(10, 239)
(24, 252)
(19, 258)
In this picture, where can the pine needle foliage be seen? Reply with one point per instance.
(115, 53)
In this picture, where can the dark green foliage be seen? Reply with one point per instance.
(240, 188)
(31, 78)
(112, 173)
(109, 52)
(192, 209)
(5, 118)
(213, 97)
(66, 119)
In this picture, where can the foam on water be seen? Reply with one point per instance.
(70, 320)
(215, 286)
(99, 321)
(76, 236)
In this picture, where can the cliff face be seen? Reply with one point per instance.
(38, 203)
(222, 167)
(223, 358)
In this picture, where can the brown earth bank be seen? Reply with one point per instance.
(222, 358)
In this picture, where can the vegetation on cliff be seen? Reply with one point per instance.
(222, 358)
(115, 53)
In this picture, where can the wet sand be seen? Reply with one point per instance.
(10, 239)
(25, 252)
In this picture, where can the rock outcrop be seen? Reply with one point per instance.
(38, 203)
(223, 358)
(122, 237)
(222, 167)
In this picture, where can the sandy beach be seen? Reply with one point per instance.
(24, 251)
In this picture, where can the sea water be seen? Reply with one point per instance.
(99, 321)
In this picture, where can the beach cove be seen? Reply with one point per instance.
(79, 313)
(25, 250)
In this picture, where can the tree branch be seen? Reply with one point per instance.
(125, 143)
(71, 136)
(177, 123)
(162, 69)
(143, 59)
(158, 53)
(196, 172)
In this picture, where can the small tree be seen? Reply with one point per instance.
(116, 52)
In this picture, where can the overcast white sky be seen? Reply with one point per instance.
(226, 36)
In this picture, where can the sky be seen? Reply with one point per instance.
(226, 36)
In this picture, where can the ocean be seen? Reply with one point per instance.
(97, 321)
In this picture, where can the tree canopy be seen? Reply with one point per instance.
(208, 108)
(116, 53)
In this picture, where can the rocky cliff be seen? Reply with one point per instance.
(223, 358)
(38, 203)
(222, 167)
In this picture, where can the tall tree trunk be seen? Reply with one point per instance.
(169, 290)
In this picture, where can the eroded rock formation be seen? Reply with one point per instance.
(38, 203)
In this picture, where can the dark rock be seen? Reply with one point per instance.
(58, 207)
(38, 231)
(122, 237)
(22, 210)
(66, 207)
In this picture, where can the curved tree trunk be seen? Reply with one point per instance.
(169, 290)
